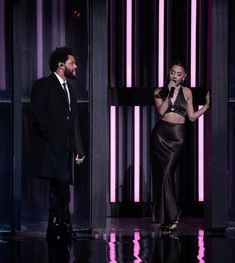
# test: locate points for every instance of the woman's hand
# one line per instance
(79, 159)
(171, 84)
(208, 99)
(194, 115)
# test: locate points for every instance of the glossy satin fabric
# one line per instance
(167, 142)
(180, 105)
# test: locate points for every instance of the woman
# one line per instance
(174, 103)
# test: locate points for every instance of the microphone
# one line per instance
(171, 93)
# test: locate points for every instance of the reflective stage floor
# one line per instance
(124, 240)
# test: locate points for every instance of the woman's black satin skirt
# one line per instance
(167, 142)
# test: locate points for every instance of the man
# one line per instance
(56, 138)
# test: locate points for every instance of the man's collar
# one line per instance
(60, 79)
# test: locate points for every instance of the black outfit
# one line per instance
(167, 141)
(56, 140)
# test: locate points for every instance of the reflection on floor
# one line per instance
(124, 240)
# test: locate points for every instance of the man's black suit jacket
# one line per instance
(56, 136)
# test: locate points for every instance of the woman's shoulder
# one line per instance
(187, 93)
(156, 91)
(186, 90)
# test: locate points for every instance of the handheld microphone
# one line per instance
(171, 93)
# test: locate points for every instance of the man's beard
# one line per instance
(69, 74)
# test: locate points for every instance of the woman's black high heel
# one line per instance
(168, 228)
(174, 225)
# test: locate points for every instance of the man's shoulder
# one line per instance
(45, 79)
(41, 85)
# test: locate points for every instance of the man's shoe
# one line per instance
(68, 232)
(54, 229)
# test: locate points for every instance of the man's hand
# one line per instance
(79, 158)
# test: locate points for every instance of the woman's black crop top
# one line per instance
(180, 104)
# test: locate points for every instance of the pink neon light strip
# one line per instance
(161, 44)
(136, 108)
(137, 247)
(201, 247)
(193, 42)
(201, 158)
(193, 84)
(129, 43)
(112, 252)
(113, 154)
(39, 39)
(137, 153)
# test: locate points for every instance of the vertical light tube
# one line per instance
(113, 108)
(136, 154)
(161, 18)
(193, 42)
(71, 203)
(161, 44)
(121, 149)
(112, 252)
(201, 158)
(39, 38)
(55, 27)
(128, 43)
(58, 23)
(201, 247)
(137, 258)
(113, 154)
(62, 23)
(193, 84)
(136, 108)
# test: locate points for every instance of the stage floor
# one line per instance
(124, 240)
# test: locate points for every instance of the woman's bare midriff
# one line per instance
(173, 118)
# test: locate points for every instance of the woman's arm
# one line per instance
(161, 105)
(194, 115)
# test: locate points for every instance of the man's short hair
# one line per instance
(60, 54)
